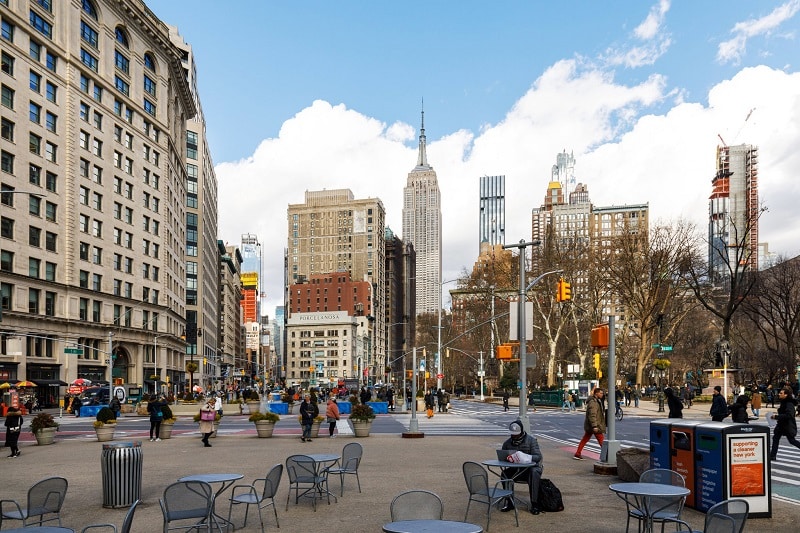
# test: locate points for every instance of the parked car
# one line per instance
(94, 395)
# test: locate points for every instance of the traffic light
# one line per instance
(563, 291)
(597, 365)
(503, 352)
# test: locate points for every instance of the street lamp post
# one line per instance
(156, 373)
(481, 373)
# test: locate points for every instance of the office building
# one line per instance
(334, 232)
(93, 210)
(492, 211)
(231, 337)
(733, 212)
(400, 302)
(422, 228)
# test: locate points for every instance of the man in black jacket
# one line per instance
(521, 441)
(719, 407)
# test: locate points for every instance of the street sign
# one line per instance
(666, 348)
(655, 346)
(74, 351)
(439, 376)
(481, 373)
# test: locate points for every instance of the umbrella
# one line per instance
(25, 384)
(82, 382)
(5, 385)
(198, 388)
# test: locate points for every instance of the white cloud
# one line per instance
(656, 41)
(731, 51)
(624, 155)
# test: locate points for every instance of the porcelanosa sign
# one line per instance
(319, 318)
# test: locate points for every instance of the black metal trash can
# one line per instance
(121, 465)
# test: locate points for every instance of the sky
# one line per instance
(311, 95)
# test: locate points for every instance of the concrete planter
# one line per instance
(315, 429)
(166, 430)
(105, 433)
(264, 428)
(45, 436)
(361, 428)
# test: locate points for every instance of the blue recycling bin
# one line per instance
(732, 462)
(659, 443)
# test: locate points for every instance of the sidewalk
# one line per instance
(390, 465)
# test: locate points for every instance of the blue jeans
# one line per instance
(306, 431)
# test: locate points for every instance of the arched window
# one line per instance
(122, 37)
(149, 62)
(89, 9)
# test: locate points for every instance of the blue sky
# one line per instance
(310, 95)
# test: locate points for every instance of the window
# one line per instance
(35, 112)
(88, 59)
(83, 251)
(8, 31)
(128, 270)
(122, 37)
(83, 165)
(149, 85)
(41, 25)
(97, 175)
(45, 4)
(83, 223)
(121, 85)
(7, 162)
(6, 290)
(50, 91)
(35, 206)
(129, 165)
(6, 261)
(35, 175)
(83, 279)
(98, 93)
(34, 143)
(98, 120)
(7, 98)
(128, 215)
(6, 228)
(34, 265)
(129, 115)
(35, 82)
(97, 147)
(50, 240)
(149, 107)
(33, 300)
(85, 84)
(50, 181)
(50, 151)
(50, 303)
(97, 201)
(50, 211)
(83, 142)
(7, 130)
(118, 108)
(51, 61)
(49, 271)
(97, 228)
(34, 236)
(50, 121)
(89, 9)
(89, 35)
(97, 255)
(96, 306)
(83, 112)
(97, 282)
(8, 68)
(128, 190)
(191, 144)
(121, 62)
(83, 309)
(149, 63)
(117, 266)
(35, 50)
(128, 141)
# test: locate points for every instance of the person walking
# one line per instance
(595, 421)
(156, 416)
(390, 399)
(674, 403)
(440, 400)
(13, 428)
(637, 395)
(755, 402)
(738, 410)
(306, 418)
(770, 396)
(207, 426)
(505, 400)
(525, 443)
(719, 407)
(332, 413)
(786, 425)
(429, 404)
(115, 406)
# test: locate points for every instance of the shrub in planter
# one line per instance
(104, 416)
(167, 414)
(258, 416)
(362, 413)
(41, 421)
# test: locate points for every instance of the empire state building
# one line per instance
(422, 227)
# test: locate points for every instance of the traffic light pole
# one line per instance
(608, 452)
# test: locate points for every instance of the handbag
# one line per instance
(207, 416)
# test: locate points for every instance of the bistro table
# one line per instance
(496, 467)
(432, 526)
(643, 493)
(40, 529)
(225, 481)
(322, 461)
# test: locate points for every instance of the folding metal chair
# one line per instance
(348, 464)
(477, 479)
(126, 523)
(251, 495)
(661, 509)
(304, 475)
(188, 501)
(44, 498)
(416, 505)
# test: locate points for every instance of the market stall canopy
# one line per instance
(25, 384)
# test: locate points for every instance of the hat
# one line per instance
(515, 427)
(718, 388)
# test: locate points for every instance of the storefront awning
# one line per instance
(50, 382)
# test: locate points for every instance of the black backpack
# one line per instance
(550, 499)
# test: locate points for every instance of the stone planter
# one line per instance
(264, 428)
(166, 430)
(105, 433)
(361, 428)
(315, 429)
(45, 436)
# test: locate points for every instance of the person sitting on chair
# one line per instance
(521, 441)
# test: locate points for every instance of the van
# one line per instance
(91, 394)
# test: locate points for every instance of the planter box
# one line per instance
(264, 428)
(345, 408)
(379, 408)
(279, 408)
(360, 428)
(166, 430)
